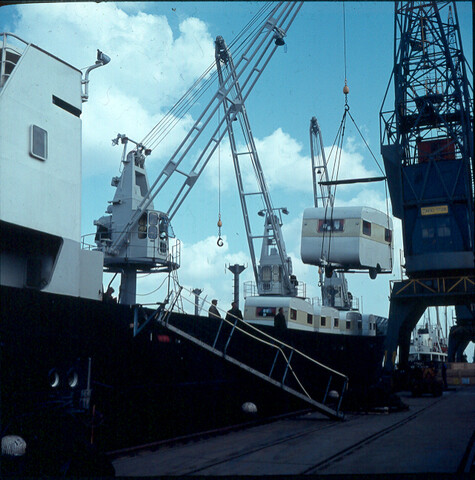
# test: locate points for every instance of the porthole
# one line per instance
(73, 378)
(53, 378)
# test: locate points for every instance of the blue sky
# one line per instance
(159, 48)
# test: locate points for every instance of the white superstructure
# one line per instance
(300, 314)
(40, 174)
(427, 345)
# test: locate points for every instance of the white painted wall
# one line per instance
(42, 195)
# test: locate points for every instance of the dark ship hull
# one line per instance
(145, 388)
(359, 357)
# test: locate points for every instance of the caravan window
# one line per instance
(366, 228)
(331, 225)
(265, 311)
(388, 235)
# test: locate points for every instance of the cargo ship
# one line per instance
(82, 373)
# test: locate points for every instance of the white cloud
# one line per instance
(150, 68)
(280, 154)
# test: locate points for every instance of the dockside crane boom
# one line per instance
(234, 110)
(319, 163)
(133, 236)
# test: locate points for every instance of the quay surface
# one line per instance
(435, 435)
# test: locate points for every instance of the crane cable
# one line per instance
(219, 242)
(339, 145)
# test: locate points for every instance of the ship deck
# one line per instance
(435, 435)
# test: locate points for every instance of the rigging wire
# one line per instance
(199, 87)
(338, 142)
(338, 145)
(153, 291)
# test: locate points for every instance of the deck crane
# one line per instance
(427, 147)
(133, 235)
(274, 274)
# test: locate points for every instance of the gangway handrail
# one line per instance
(273, 343)
(280, 341)
(320, 406)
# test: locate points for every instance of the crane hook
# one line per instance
(220, 242)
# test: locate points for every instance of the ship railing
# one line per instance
(269, 358)
(354, 304)
(250, 289)
(85, 245)
(12, 48)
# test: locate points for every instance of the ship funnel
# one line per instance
(102, 59)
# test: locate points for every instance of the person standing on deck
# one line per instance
(280, 324)
(233, 313)
(213, 310)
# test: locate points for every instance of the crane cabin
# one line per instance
(347, 238)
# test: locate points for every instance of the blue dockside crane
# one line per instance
(427, 147)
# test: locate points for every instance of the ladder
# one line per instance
(259, 354)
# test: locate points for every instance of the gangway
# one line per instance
(256, 353)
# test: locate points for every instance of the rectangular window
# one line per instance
(335, 322)
(388, 235)
(329, 225)
(293, 314)
(366, 228)
(266, 273)
(66, 106)
(265, 311)
(323, 321)
(142, 227)
(348, 325)
(443, 230)
(38, 142)
(428, 233)
(141, 182)
(309, 318)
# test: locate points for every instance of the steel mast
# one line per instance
(274, 274)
